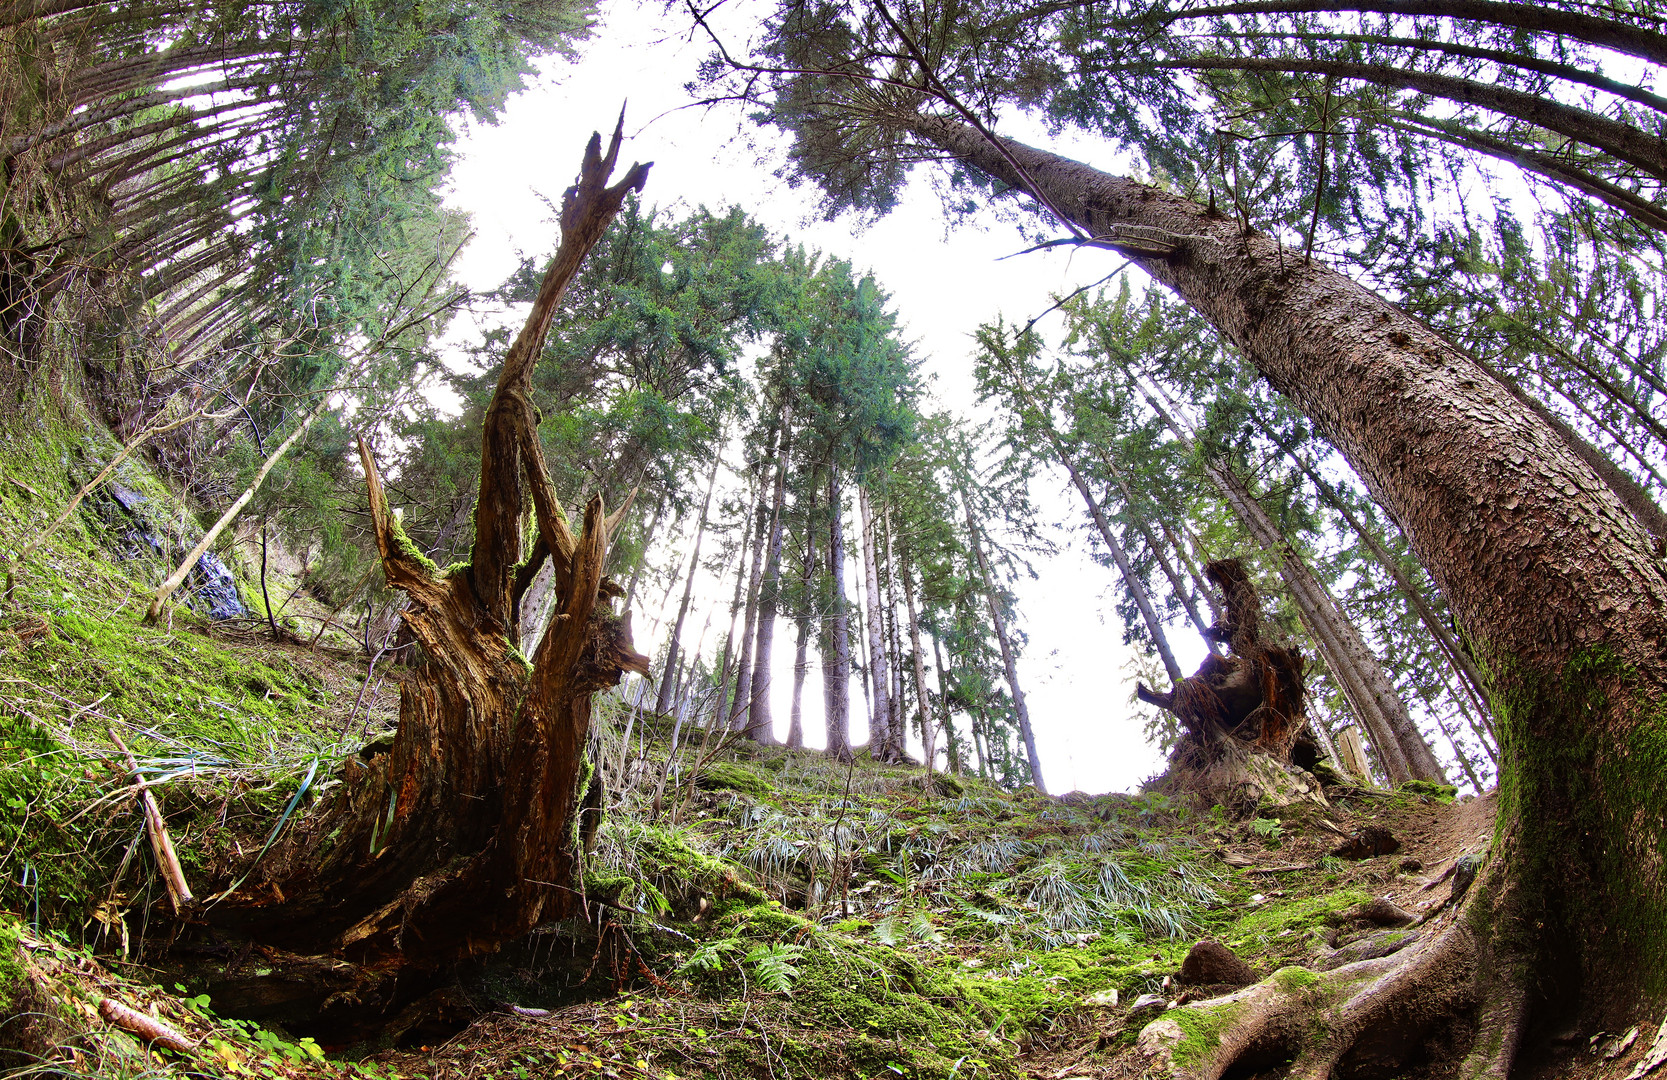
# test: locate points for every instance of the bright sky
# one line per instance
(943, 284)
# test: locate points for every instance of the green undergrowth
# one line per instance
(846, 920)
(224, 727)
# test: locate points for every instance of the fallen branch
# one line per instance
(148, 1028)
(179, 893)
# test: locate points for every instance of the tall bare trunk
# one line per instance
(1009, 661)
(761, 726)
(836, 652)
(928, 729)
(663, 702)
(883, 740)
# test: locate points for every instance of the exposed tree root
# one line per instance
(1441, 999)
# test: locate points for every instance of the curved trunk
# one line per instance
(1552, 577)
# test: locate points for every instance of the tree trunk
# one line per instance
(884, 739)
(724, 709)
(928, 736)
(1553, 578)
(1009, 662)
(642, 557)
(836, 652)
(1450, 648)
(1365, 685)
(951, 742)
(740, 718)
(461, 836)
(760, 724)
(663, 702)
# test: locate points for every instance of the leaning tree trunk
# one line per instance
(1553, 578)
(1371, 694)
(461, 837)
(1009, 662)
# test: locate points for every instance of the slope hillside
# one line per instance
(748, 910)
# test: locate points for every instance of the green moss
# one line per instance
(1429, 789)
(1582, 754)
(723, 776)
(1260, 924)
(405, 546)
(1201, 1027)
(11, 968)
(1293, 979)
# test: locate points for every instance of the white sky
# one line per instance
(943, 285)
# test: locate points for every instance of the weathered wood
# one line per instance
(162, 845)
(461, 836)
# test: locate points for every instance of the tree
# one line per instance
(461, 836)
(1549, 573)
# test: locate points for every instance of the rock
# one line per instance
(1210, 963)
(1411, 865)
(1158, 1041)
(1147, 1003)
(1104, 999)
(1370, 947)
(1379, 912)
(1368, 843)
(217, 589)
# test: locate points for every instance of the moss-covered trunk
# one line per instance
(1554, 579)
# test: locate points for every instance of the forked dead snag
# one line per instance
(461, 836)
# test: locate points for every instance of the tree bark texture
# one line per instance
(1555, 582)
(663, 702)
(760, 724)
(1009, 661)
(462, 835)
(885, 738)
(836, 651)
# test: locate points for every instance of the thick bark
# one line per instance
(886, 735)
(1554, 580)
(928, 729)
(741, 718)
(1450, 648)
(836, 640)
(663, 702)
(461, 836)
(1009, 661)
(760, 724)
(948, 720)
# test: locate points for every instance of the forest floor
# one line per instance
(751, 912)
